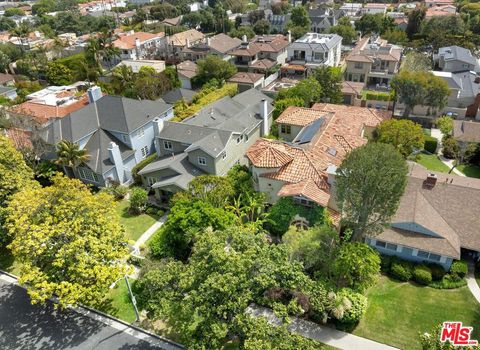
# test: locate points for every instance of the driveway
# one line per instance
(41, 327)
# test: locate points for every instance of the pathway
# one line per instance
(448, 162)
(325, 335)
(472, 282)
(150, 231)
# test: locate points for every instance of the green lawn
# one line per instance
(397, 312)
(8, 263)
(135, 225)
(431, 162)
(117, 302)
(470, 170)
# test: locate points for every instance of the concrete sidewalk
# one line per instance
(151, 230)
(472, 282)
(325, 335)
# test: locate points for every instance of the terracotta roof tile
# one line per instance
(300, 116)
(128, 41)
(308, 189)
(269, 154)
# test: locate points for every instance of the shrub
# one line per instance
(137, 178)
(422, 275)
(138, 200)
(449, 281)
(401, 271)
(358, 308)
(437, 271)
(450, 148)
(119, 192)
(160, 213)
(135, 260)
(459, 268)
(386, 262)
(431, 144)
(151, 211)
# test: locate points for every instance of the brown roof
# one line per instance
(224, 43)
(180, 39)
(263, 64)
(466, 131)
(299, 116)
(42, 112)
(5, 78)
(303, 168)
(437, 11)
(187, 68)
(351, 87)
(449, 211)
(128, 41)
(172, 21)
(246, 78)
(289, 66)
(19, 137)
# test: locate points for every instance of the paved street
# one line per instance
(27, 327)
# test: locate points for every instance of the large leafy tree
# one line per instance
(15, 175)
(308, 90)
(330, 79)
(345, 30)
(356, 266)
(70, 155)
(370, 182)
(213, 67)
(403, 134)
(58, 74)
(226, 272)
(415, 19)
(299, 22)
(68, 241)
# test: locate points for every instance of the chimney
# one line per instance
(244, 38)
(116, 159)
(157, 129)
(289, 36)
(94, 94)
(331, 172)
(264, 114)
(187, 42)
(431, 180)
(137, 48)
(209, 41)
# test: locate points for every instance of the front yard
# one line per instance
(117, 302)
(431, 162)
(397, 312)
(470, 170)
(135, 225)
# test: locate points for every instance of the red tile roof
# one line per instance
(128, 41)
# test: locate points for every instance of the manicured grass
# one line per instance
(427, 132)
(117, 302)
(8, 263)
(470, 170)
(431, 162)
(397, 312)
(135, 225)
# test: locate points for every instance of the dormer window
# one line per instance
(167, 145)
(202, 160)
(239, 139)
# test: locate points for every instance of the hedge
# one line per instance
(204, 98)
(459, 268)
(137, 178)
(431, 144)
(377, 96)
(422, 275)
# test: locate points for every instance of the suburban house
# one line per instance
(455, 59)
(464, 98)
(315, 141)
(278, 23)
(466, 131)
(178, 94)
(186, 71)
(441, 11)
(374, 8)
(219, 45)
(315, 50)
(261, 53)
(209, 142)
(52, 103)
(322, 19)
(157, 65)
(117, 132)
(174, 44)
(139, 45)
(247, 80)
(437, 219)
(9, 92)
(433, 3)
(352, 92)
(373, 61)
(351, 9)
(7, 79)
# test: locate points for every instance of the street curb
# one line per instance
(100, 313)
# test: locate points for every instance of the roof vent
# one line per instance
(431, 180)
(332, 151)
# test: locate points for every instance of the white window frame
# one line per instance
(202, 160)
(151, 181)
(141, 132)
(285, 129)
(144, 151)
(167, 145)
(358, 65)
(224, 155)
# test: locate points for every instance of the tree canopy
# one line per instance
(68, 241)
(403, 134)
(370, 182)
(309, 90)
(213, 67)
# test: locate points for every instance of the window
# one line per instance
(202, 160)
(434, 257)
(167, 145)
(125, 138)
(358, 65)
(318, 56)
(144, 152)
(246, 137)
(89, 175)
(151, 181)
(286, 129)
(422, 254)
(407, 251)
(380, 244)
(391, 246)
(239, 139)
(224, 155)
(141, 132)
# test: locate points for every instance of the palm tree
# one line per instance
(122, 79)
(70, 156)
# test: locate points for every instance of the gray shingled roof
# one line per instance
(178, 94)
(457, 53)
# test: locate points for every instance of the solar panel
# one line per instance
(308, 132)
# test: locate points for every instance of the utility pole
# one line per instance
(132, 298)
